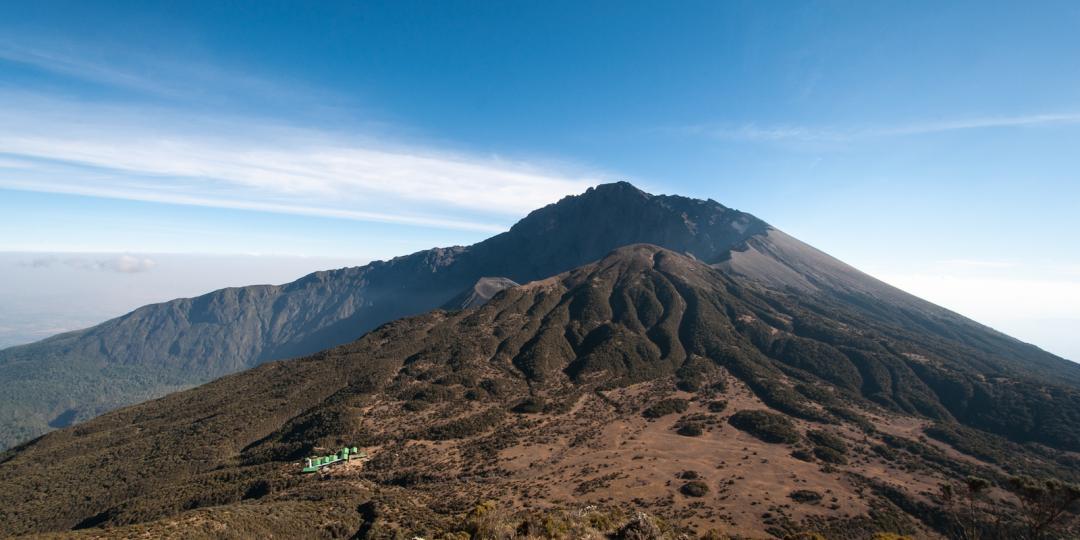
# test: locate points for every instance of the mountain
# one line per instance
(159, 348)
(164, 347)
(644, 395)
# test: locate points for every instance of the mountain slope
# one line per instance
(608, 386)
(484, 289)
(163, 347)
(780, 261)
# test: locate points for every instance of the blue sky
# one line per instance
(931, 145)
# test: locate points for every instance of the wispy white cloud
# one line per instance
(9, 162)
(155, 154)
(978, 123)
(157, 76)
(163, 194)
(753, 132)
(82, 67)
(166, 150)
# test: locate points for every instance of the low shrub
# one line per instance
(805, 496)
(496, 387)
(692, 374)
(849, 415)
(641, 527)
(690, 429)
(464, 427)
(688, 385)
(886, 452)
(828, 447)
(827, 439)
(769, 427)
(694, 488)
(529, 405)
(829, 455)
(666, 407)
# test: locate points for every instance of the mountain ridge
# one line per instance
(170, 345)
(164, 347)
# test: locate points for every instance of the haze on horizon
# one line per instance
(139, 146)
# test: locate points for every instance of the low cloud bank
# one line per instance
(124, 264)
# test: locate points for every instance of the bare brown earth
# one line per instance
(623, 458)
(600, 452)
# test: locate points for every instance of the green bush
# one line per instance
(694, 488)
(688, 385)
(769, 427)
(829, 455)
(464, 427)
(849, 415)
(692, 375)
(828, 447)
(805, 496)
(827, 439)
(690, 429)
(666, 407)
